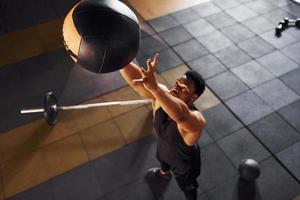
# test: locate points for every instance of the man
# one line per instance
(177, 122)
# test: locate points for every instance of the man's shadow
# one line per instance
(157, 185)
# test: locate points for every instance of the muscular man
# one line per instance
(177, 122)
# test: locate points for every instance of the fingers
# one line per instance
(149, 65)
(155, 59)
(143, 71)
(152, 65)
(138, 81)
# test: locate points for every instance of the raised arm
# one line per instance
(191, 123)
(132, 72)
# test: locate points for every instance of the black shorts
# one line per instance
(186, 172)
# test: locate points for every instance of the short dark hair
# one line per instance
(198, 81)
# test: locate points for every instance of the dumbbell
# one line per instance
(296, 22)
(278, 30)
(286, 22)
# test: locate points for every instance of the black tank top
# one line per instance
(171, 147)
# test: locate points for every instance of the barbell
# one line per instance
(51, 107)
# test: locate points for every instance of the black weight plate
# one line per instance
(51, 108)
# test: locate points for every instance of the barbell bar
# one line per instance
(51, 107)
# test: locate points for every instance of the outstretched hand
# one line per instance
(148, 76)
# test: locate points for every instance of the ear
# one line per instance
(194, 97)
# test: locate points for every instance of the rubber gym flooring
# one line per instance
(251, 103)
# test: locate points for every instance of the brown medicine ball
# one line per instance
(101, 35)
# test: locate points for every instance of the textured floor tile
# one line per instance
(224, 191)
(74, 91)
(275, 132)
(242, 145)
(249, 107)
(157, 8)
(61, 8)
(226, 85)
(205, 140)
(28, 11)
(212, 174)
(245, 1)
(190, 50)
(42, 191)
(275, 183)
(292, 114)
(3, 28)
(292, 52)
(292, 9)
(241, 13)
(206, 9)
(220, 20)
(133, 129)
(232, 56)
(151, 45)
(136, 190)
(168, 60)
(206, 100)
(258, 24)
(80, 183)
(126, 164)
(237, 32)
(207, 66)
(64, 155)
(279, 43)
(23, 49)
(199, 27)
(185, 15)
(49, 34)
(261, 6)
(108, 82)
(226, 4)
(101, 139)
(172, 75)
(175, 35)
(272, 93)
(273, 62)
(71, 77)
(146, 29)
(6, 56)
(87, 118)
(23, 173)
(36, 66)
(256, 47)
(220, 122)
(215, 41)
(36, 84)
(21, 141)
(277, 15)
(123, 94)
(166, 190)
(292, 80)
(252, 74)
(66, 127)
(293, 32)
(163, 23)
(291, 159)
(279, 2)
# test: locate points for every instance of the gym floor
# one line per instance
(251, 103)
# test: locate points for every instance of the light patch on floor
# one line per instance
(150, 9)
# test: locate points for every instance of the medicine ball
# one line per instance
(249, 169)
(101, 35)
